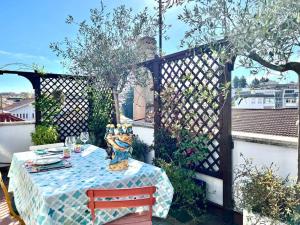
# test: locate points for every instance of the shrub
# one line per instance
(139, 149)
(263, 192)
(188, 195)
(178, 156)
(44, 135)
(165, 145)
(101, 107)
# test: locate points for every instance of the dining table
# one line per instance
(58, 196)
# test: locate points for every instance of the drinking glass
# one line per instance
(70, 142)
(84, 137)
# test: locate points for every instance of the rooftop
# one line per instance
(19, 104)
(7, 117)
(280, 122)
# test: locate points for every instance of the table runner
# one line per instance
(59, 196)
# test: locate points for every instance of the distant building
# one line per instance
(23, 109)
(267, 96)
(290, 98)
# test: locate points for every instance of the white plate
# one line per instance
(59, 149)
(46, 161)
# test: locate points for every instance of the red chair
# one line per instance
(144, 218)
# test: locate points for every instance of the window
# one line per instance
(17, 115)
(32, 115)
(26, 115)
(290, 100)
(23, 115)
(252, 100)
(289, 91)
(269, 100)
(260, 101)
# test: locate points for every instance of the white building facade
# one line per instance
(265, 98)
(24, 111)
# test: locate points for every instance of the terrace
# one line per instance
(198, 156)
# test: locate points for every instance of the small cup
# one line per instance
(66, 153)
(77, 148)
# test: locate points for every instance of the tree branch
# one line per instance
(295, 66)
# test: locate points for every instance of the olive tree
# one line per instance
(262, 34)
(107, 47)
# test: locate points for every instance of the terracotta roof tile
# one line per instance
(7, 117)
(280, 122)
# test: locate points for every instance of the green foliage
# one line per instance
(262, 33)
(128, 105)
(139, 149)
(49, 105)
(107, 46)
(188, 196)
(165, 145)
(100, 116)
(192, 149)
(44, 135)
(239, 82)
(236, 82)
(255, 82)
(263, 192)
(178, 156)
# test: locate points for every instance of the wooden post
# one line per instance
(156, 71)
(37, 89)
(226, 147)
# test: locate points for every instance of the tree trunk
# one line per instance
(298, 180)
(117, 106)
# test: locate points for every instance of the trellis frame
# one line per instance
(156, 66)
(43, 83)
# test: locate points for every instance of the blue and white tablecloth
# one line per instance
(59, 196)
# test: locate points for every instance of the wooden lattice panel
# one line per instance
(73, 116)
(185, 80)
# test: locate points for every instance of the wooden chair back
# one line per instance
(119, 193)
(12, 213)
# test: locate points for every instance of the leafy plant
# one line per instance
(107, 47)
(101, 105)
(44, 135)
(188, 195)
(178, 156)
(263, 192)
(192, 149)
(165, 145)
(139, 149)
(50, 106)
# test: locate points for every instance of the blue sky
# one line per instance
(28, 27)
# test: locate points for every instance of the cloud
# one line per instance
(23, 56)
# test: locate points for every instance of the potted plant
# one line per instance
(265, 197)
(44, 135)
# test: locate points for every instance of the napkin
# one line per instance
(90, 149)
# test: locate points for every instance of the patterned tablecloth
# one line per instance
(59, 196)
